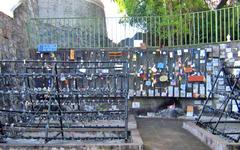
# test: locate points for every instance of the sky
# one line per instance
(111, 10)
(7, 5)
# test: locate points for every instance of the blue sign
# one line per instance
(160, 65)
(46, 48)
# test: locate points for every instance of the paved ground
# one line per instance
(166, 134)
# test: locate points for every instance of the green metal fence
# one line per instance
(156, 31)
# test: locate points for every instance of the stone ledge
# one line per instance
(213, 141)
(135, 144)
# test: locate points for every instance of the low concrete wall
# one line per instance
(74, 147)
(213, 141)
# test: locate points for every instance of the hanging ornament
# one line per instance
(154, 69)
(134, 57)
(228, 38)
(72, 54)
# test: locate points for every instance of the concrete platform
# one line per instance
(135, 143)
(213, 141)
(167, 134)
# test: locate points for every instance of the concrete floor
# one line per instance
(167, 134)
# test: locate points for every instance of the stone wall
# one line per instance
(7, 43)
(70, 8)
(25, 11)
(44, 30)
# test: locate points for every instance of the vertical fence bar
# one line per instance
(125, 33)
(198, 28)
(159, 32)
(185, 29)
(211, 20)
(224, 24)
(56, 31)
(194, 29)
(74, 33)
(172, 27)
(233, 23)
(190, 32)
(98, 33)
(146, 19)
(229, 30)
(116, 30)
(169, 32)
(66, 28)
(50, 32)
(216, 26)
(220, 25)
(202, 36)
(38, 31)
(150, 31)
(90, 28)
(181, 30)
(238, 22)
(94, 32)
(177, 32)
(103, 33)
(155, 32)
(207, 27)
(165, 32)
(112, 31)
(141, 19)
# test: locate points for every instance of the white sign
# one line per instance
(137, 43)
(136, 105)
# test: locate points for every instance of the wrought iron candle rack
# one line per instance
(64, 100)
(223, 120)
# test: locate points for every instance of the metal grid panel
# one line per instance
(49, 100)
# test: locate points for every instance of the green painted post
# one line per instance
(194, 29)
(190, 32)
(198, 30)
(211, 20)
(150, 32)
(181, 38)
(225, 27)
(229, 30)
(216, 26)
(233, 24)
(159, 31)
(169, 33)
(220, 25)
(207, 26)
(155, 32)
(202, 28)
(238, 22)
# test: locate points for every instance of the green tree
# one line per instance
(162, 17)
(160, 7)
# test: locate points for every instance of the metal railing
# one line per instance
(156, 31)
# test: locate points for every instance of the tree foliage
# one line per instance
(170, 11)
(160, 7)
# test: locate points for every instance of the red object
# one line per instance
(143, 76)
(188, 69)
(115, 54)
(196, 79)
